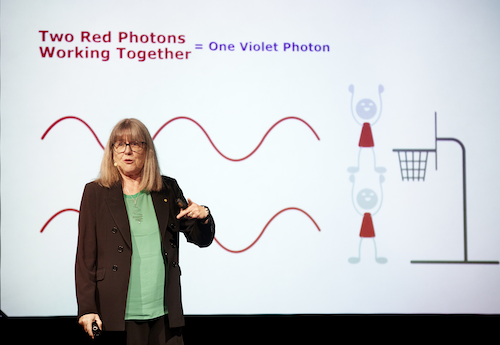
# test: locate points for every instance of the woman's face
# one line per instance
(129, 162)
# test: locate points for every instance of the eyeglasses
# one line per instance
(121, 146)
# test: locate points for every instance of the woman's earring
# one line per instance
(115, 164)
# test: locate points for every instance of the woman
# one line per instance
(127, 262)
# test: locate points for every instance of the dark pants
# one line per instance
(152, 332)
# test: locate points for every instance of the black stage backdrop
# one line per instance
(274, 329)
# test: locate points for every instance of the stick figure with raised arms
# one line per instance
(367, 199)
(367, 116)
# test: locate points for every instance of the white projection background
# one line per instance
(282, 117)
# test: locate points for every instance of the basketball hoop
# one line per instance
(413, 165)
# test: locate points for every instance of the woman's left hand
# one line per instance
(193, 211)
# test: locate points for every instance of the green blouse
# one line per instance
(145, 299)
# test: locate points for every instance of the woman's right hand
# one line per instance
(86, 322)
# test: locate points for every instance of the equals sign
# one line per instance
(198, 46)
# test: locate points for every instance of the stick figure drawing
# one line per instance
(366, 115)
(366, 199)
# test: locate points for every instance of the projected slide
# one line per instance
(347, 149)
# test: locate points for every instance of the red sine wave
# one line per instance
(76, 118)
(265, 227)
(205, 132)
(55, 215)
(223, 247)
(215, 147)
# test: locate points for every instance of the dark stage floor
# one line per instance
(273, 329)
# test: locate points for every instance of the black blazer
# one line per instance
(104, 251)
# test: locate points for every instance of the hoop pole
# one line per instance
(436, 138)
(464, 192)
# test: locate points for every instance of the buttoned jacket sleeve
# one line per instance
(195, 231)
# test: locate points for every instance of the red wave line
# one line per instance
(55, 215)
(223, 247)
(265, 227)
(76, 118)
(251, 153)
(190, 119)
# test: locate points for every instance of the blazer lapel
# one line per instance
(118, 210)
(161, 202)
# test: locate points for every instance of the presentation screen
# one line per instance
(346, 149)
